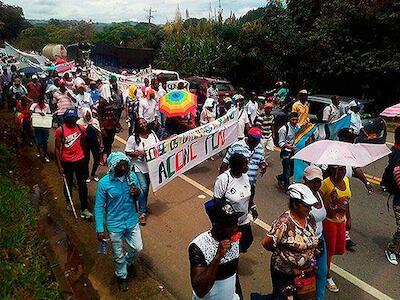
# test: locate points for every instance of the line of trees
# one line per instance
(348, 47)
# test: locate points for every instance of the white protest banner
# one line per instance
(176, 155)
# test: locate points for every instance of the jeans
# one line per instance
(144, 180)
(79, 168)
(321, 273)
(60, 120)
(133, 239)
(287, 172)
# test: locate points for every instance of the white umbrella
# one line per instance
(327, 152)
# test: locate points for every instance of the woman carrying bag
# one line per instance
(292, 241)
(142, 138)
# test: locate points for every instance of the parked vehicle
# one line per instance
(224, 86)
(374, 125)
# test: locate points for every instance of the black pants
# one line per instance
(247, 238)
(108, 140)
(132, 119)
(280, 284)
(118, 113)
(287, 172)
(79, 168)
(94, 148)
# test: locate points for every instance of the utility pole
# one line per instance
(149, 14)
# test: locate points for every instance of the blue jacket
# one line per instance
(114, 198)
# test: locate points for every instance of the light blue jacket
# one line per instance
(114, 199)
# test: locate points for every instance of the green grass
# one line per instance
(25, 272)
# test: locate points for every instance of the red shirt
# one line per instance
(34, 90)
(72, 149)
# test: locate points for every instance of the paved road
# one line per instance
(178, 216)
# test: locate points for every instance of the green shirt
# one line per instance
(265, 122)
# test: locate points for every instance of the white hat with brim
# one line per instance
(302, 193)
(303, 92)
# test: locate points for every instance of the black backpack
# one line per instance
(388, 182)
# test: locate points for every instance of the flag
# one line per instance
(336, 126)
(301, 138)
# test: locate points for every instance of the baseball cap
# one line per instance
(255, 132)
(302, 193)
(222, 212)
(227, 99)
(70, 113)
(313, 172)
(268, 105)
(303, 92)
(355, 103)
(34, 76)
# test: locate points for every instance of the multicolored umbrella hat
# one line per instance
(178, 103)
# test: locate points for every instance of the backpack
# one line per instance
(388, 182)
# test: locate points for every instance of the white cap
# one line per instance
(43, 75)
(74, 69)
(312, 172)
(34, 76)
(303, 92)
(302, 192)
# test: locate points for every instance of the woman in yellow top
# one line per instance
(336, 194)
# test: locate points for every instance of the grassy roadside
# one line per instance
(25, 272)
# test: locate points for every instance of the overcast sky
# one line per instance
(128, 10)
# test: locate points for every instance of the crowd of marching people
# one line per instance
(302, 240)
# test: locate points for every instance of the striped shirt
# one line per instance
(265, 123)
(255, 157)
(63, 102)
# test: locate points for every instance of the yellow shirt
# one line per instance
(302, 110)
(327, 187)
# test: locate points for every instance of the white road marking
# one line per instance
(338, 270)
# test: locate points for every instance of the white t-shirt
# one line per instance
(242, 121)
(83, 101)
(148, 109)
(36, 108)
(319, 215)
(251, 108)
(139, 163)
(235, 190)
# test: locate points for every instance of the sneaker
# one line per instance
(391, 257)
(131, 271)
(122, 284)
(86, 214)
(95, 178)
(68, 207)
(46, 159)
(350, 244)
(142, 219)
(88, 180)
(331, 286)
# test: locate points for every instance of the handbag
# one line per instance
(305, 285)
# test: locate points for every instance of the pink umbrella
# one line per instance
(327, 152)
(392, 111)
